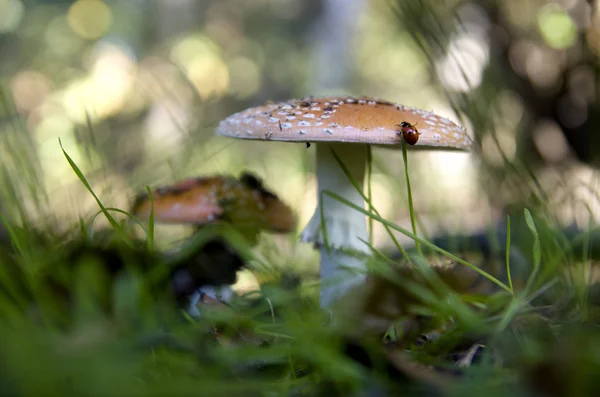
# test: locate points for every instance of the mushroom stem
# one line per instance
(342, 266)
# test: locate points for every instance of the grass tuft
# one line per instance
(72, 325)
(85, 183)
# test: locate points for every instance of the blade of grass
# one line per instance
(369, 189)
(519, 305)
(82, 228)
(583, 293)
(16, 240)
(536, 249)
(118, 210)
(510, 284)
(377, 252)
(13, 198)
(150, 233)
(386, 169)
(411, 208)
(421, 240)
(85, 183)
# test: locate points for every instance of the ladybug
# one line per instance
(409, 132)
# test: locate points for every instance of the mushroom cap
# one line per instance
(243, 202)
(343, 119)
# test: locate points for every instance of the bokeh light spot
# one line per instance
(29, 90)
(543, 66)
(201, 59)
(210, 76)
(462, 69)
(112, 74)
(11, 14)
(550, 141)
(186, 49)
(503, 147)
(556, 27)
(89, 19)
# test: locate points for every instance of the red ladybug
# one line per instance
(409, 132)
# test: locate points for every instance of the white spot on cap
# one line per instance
(333, 125)
(273, 119)
(316, 109)
(288, 118)
(301, 132)
(328, 131)
(309, 116)
(303, 123)
(286, 125)
(436, 136)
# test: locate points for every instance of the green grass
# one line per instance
(124, 336)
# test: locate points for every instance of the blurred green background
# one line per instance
(135, 89)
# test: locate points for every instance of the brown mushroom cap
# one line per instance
(343, 119)
(243, 202)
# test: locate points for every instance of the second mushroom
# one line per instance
(243, 203)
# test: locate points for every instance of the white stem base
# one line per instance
(339, 273)
(222, 293)
(345, 227)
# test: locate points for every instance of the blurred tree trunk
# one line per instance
(333, 37)
(174, 17)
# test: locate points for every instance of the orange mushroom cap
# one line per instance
(344, 119)
(243, 202)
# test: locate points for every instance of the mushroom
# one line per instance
(243, 203)
(346, 126)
